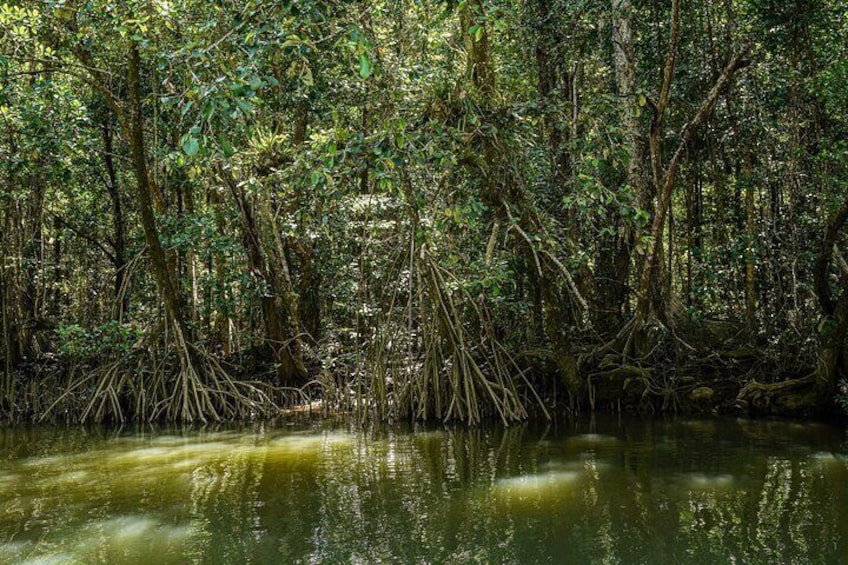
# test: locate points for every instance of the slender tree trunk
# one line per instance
(5, 324)
(310, 277)
(310, 300)
(145, 192)
(291, 352)
(122, 300)
(54, 297)
(664, 177)
(9, 268)
(32, 247)
(557, 89)
(624, 58)
(614, 265)
(217, 266)
(694, 237)
(751, 236)
(556, 92)
(278, 300)
(649, 295)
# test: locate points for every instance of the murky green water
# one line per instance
(603, 491)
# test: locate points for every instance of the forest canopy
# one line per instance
(422, 209)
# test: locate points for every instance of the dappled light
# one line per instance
(394, 281)
(441, 211)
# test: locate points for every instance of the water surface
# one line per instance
(593, 491)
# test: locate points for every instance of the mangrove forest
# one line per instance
(423, 211)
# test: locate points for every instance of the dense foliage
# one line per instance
(421, 209)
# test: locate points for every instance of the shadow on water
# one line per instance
(596, 491)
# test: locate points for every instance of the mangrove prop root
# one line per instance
(797, 392)
(146, 386)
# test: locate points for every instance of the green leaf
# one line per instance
(306, 76)
(190, 146)
(244, 105)
(255, 83)
(364, 65)
(227, 148)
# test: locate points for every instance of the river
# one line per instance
(598, 490)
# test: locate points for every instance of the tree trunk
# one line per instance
(480, 70)
(5, 326)
(556, 88)
(217, 266)
(647, 302)
(134, 124)
(286, 299)
(834, 328)
(8, 280)
(614, 264)
(832, 352)
(32, 246)
(309, 303)
(122, 299)
(751, 236)
(278, 301)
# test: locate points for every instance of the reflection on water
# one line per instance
(605, 491)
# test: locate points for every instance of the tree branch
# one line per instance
(79, 232)
(738, 61)
(671, 56)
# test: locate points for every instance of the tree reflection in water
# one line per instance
(605, 491)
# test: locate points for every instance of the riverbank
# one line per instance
(741, 381)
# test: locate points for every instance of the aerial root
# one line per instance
(452, 367)
(191, 386)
